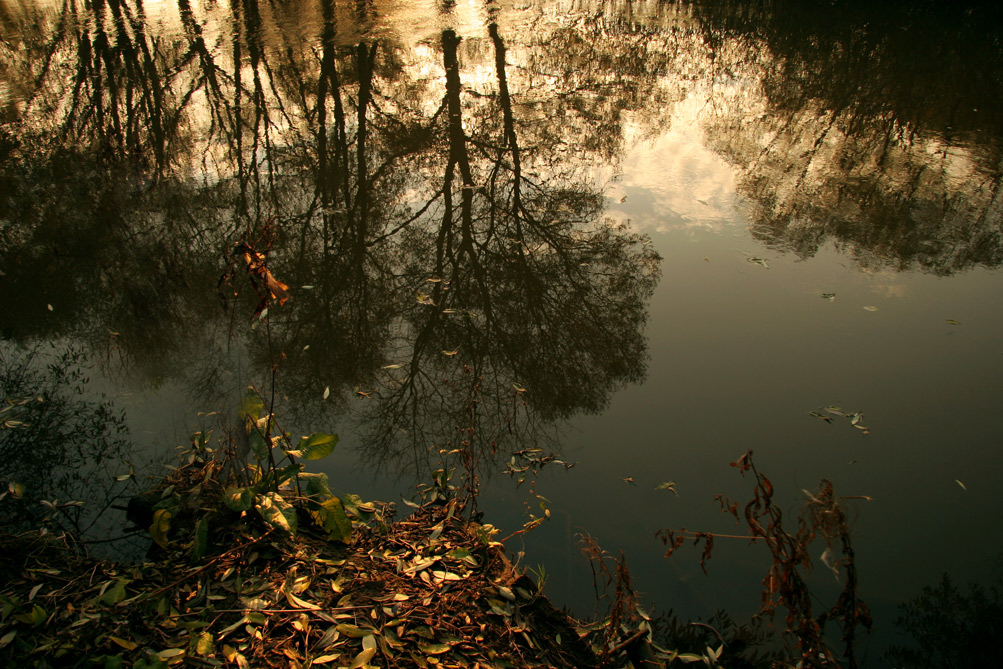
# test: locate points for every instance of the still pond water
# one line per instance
(646, 236)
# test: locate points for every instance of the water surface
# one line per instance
(646, 236)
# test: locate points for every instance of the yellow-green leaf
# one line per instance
(353, 631)
(36, 617)
(362, 658)
(170, 652)
(433, 648)
(160, 527)
(251, 405)
(330, 515)
(300, 603)
(116, 593)
(239, 499)
(124, 643)
(315, 446)
(276, 511)
(205, 644)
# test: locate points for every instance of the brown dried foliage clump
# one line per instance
(823, 516)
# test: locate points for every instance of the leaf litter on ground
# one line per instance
(396, 595)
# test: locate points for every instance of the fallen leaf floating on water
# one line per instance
(518, 388)
(396, 366)
(453, 352)
(668, 485)
(829, 296)
(629, 479)
(870, 308)
(960, 484)
(327, 392)
(49, 307)
(951, 321)
(758, 261)
(856, 418)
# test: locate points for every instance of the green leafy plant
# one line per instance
(278, 486)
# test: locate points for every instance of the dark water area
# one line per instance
(647, 237)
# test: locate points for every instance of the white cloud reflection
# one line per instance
(672, 180)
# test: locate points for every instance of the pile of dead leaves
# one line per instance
(431, 590)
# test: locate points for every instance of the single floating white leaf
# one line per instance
(869, 308)
(960, 484)
(327, 392)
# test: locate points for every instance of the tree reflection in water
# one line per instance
(434, 223)
(60, 451)
(432, 200)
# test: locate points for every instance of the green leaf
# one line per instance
(116, 593)
(362, 659)
(354, 631)
(462, 554)
(252, 404)
(286, 473)
(205, 644)
(124, 643)
(239, 499)
(201, 538)
(170, 652)
(36, 617)
(161, 526)
(315, 485)
(153, 663)
(111, 661)
(315, 446)
(330, 515)
(433, 648)
(276, 511)
(259, 446)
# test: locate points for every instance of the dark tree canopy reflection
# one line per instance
(883, 127)
(57, 445)
(426, 222)
(432, 202)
